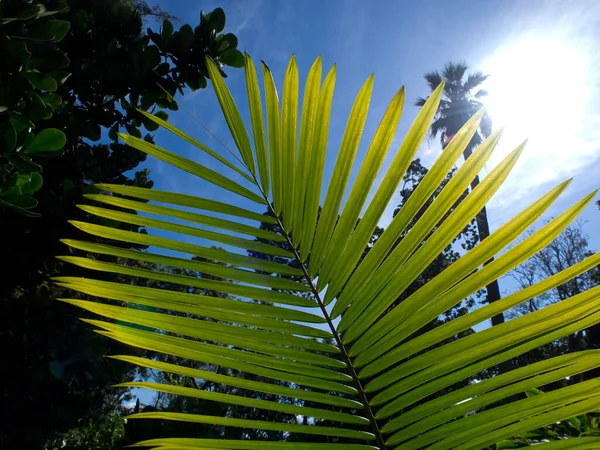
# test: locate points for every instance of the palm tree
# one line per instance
(362, 371)
(461, 101)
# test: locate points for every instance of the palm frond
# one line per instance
(420, 101)
(454, 72)
(379, 377)
(480, 94)
(434, 79)
(474, 80)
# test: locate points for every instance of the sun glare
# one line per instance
(539, 90)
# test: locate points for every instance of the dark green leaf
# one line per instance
(60, 76)
(25, 12)
(53, 100)
(232, 39)
(185, 38)
(59, 29)
(133, 131)
(216, 19)
(150, 126)
(92, 131)
(196, 81)
(34, 184)
(67, 187)
(18, 49)
(20, 123)
(18, 209)
(166, 31)
(5, 171)
(162, 69)
(8, 138)
(150, 58)
(162, 115)
(19, 179)
(9, 187)
(233, 58)
(223, 46)
(23, 163)
(112, 132)
(39, 109)
(48, 140)
(20, 201)
(6, 101)
(48, 61)
(41, 31)
(42, 81)
(57, 7)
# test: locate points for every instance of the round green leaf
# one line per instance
(217, 19)
(42, 81)
(8, 137)
(59, 29)
(112, 132)
(20, 180)
(25, 12)
(92, 131)
(53, 100)
(185, 38)
(232, 39)
(48, 60)
(166, 31)
(47, 140)
(20, 201)
(233, 58)
(150, 126)
(162, 115)
(133, 131)
(60, 76)
(67, 187)
(18, 49)
(34, 184)
(24, 163)
(19, 122)
(39, 109)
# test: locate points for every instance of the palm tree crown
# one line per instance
(461, 100)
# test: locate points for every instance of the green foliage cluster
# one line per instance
(66, 97)
(584, 425)
(33, 68)
(111, 69)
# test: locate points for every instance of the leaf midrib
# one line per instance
(343, 352)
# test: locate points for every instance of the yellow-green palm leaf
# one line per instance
(376, 387)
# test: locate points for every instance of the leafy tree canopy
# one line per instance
(73, 74)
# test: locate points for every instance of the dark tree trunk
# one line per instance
(483, 229)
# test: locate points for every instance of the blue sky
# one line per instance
(540, 56)
(399, 41)
(544, 82)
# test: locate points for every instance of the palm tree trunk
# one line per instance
(483, 230)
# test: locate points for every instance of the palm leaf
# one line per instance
(385, 388)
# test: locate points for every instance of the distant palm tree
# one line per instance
(461, 100)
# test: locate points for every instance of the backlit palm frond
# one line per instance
(348, 348)
(474, 80)
(480, 94)
(454, 72)
(434, 79)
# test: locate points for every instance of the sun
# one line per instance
(538, 88)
